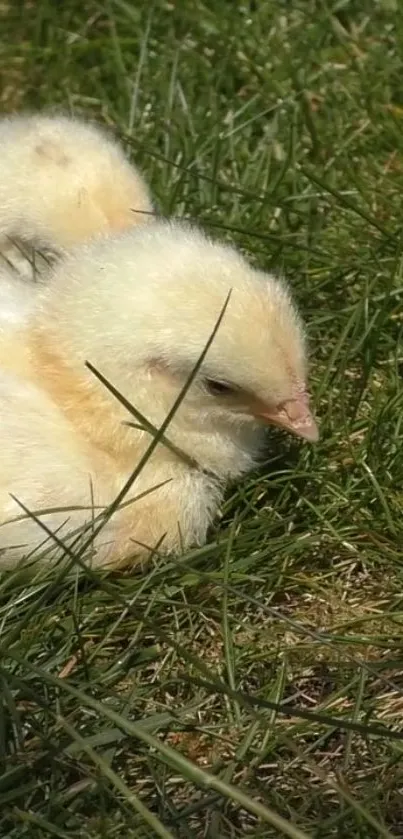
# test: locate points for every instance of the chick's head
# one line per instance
(141, 308)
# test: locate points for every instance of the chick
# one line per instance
(140, 307)
(62, 181)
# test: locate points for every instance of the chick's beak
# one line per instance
(293, 415)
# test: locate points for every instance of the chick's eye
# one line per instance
(217, 388)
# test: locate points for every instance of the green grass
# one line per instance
(253, 687)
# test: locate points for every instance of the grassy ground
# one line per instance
(253, 687)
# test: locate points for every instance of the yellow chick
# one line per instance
(140, 306)
(63, 180)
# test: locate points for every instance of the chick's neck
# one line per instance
(91, 409)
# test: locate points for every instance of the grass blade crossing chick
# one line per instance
(140, 307)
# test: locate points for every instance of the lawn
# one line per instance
(253, 687)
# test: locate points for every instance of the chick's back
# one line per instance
(63, 180)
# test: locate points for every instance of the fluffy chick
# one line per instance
(62, 181)
(140, 307)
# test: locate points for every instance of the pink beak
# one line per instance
(294, 416)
